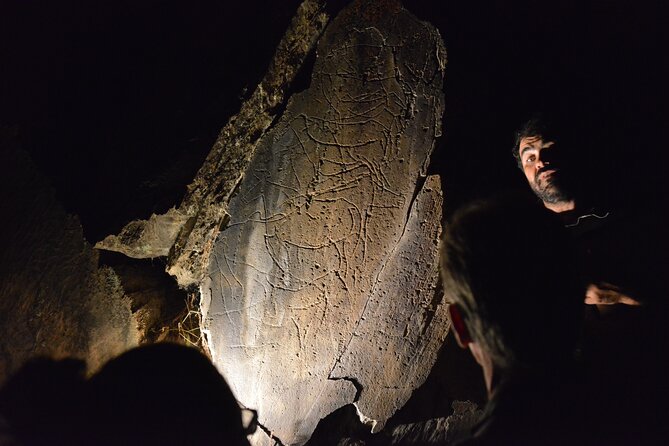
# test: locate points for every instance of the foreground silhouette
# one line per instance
(161, 394)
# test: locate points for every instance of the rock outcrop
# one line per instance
(54, 298)
(185, 235)
(321, 290)
(311, 232)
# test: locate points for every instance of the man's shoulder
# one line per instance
(541, 408)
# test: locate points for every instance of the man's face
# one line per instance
(539, 164)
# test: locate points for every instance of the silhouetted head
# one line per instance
(40, 402)
(507, 266)
(162, 394)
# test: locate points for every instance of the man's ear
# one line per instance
(459, 327)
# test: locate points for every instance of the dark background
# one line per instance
(118, 102)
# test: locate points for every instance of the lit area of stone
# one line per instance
(267, 181)
(321, 290)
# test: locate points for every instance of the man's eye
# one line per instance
(530, 159)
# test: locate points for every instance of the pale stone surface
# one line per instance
(141, 239)
(328, 210)
(405, 319)
(228, 160)
(309, 298)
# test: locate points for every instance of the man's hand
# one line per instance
(607, 294)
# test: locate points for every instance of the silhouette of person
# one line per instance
(40, 403)
(622, 257)
(161, 394)
(614, 248)
(517, 306)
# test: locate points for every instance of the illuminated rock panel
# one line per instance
(310, 269)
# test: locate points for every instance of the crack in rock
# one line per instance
(330, 250)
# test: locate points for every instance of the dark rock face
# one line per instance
(54, 299)
(438, 431)
(186, 235)
(321, 290)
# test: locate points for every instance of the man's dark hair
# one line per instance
(507, 265)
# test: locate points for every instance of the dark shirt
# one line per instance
(534, 409)
(624, 249)
(624, 348)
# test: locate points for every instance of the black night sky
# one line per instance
(118, 102)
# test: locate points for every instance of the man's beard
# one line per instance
(551, 189)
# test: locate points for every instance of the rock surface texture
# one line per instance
(312, 234)
(54, 299)
(186, 235)
(449, 430)
(322, 288)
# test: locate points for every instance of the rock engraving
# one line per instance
(328, 209)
